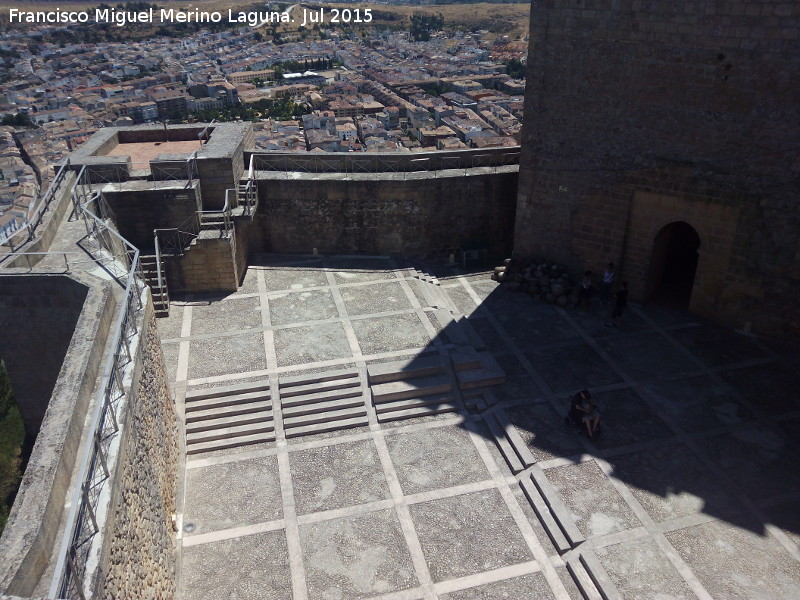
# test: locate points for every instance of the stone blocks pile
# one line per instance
(544, 281)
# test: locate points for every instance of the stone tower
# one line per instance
(664, 136)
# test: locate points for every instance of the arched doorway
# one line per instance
(673, 265)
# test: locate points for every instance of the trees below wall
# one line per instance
(12, 439)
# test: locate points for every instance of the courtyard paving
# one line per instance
(692, 491)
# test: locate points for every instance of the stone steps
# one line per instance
(229, 390)
(489, 373)
(423, 410)
(411, 388)
(326, 427)
(508, 440)
(321, 402)
(419, 366)
(314, 406)
(226, 421)
(230, 433)
(322, 386)
(228, 416)
(225, 444)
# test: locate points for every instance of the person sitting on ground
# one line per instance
(583, 410)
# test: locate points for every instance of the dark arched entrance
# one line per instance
(673, 265)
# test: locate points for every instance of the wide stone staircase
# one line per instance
(322, 402)
(229, 416)
(447, 377)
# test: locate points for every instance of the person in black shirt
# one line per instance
(620, 302)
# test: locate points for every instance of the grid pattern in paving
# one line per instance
(692, 491)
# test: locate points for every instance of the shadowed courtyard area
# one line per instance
(358, 427)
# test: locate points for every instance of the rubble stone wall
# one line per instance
(638, 115)
(139, 558)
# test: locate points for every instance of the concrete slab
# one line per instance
(672, 482)
(737, 562)
(596, 506)
(220, 315)
(292, 279)
(698, 403)
(645, 355)
(435, 458)
(762, 459)
(390, 334)
(298, 307)
(375, 298)
(170, 327)
(640, 570)
(771, 387)
(336, 476)
(225, 355)
(627, 419)
(543, 430)
(527, 586)
(312, 343)
(468, 534)
(252, 495)
(356, 557)
(717, 346)
(569, 368)
(252, 567)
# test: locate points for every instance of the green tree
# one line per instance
(12, 439)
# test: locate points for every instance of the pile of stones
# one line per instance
(544, 281)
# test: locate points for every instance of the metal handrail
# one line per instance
(225, 213)
(69, 573)
(173, 237)
(35, 216)
(158, 264)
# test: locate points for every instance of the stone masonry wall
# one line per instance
(138, 212)
(639, 114)
(387, 214)
(208, 265)
(38, 315)
(139, 550)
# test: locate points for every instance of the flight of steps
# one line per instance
(415, 387)
(423, 385)
(320, 402)
(229, 416)
(214, 225)
(160, 293)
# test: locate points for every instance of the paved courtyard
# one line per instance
(692, 491)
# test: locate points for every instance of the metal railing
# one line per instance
(82, 524)
(175, 240)
(219, 220)
(25, 233)
(248, 195)
(159, 281)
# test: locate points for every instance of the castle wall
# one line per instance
(640, 114)
(207, 266)
(47, 307)
(38, 316)
(137, 211)
(138, 559)
(421, 214)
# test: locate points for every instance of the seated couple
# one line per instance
(582, 410)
